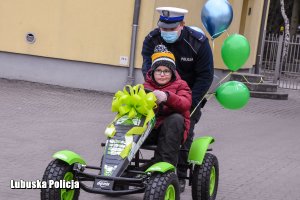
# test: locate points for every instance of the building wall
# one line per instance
(252, 15)
(233, 28)
(96, 31)
(87, 44)
(251, 24)
(74, 74)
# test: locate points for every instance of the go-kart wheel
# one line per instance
(162, 187)
(205, 179)
(58, 170)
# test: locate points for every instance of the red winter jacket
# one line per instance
(179, 100)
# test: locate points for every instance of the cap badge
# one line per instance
(166, 13)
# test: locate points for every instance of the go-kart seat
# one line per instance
(154, 147)
(149, 147)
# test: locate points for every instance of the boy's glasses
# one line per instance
(160, 72)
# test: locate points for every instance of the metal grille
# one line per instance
(290, 67)
(284, 72)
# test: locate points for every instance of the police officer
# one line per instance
(194, 63)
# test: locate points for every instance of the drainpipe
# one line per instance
(261, 36)
(130, 77)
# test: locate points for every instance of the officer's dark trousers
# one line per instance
(183, 155)
(168, 138)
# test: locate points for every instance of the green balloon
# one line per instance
(233, 95)
(235, 51)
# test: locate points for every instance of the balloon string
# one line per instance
(210, 96)
(227, 33)
(260, 81)
(225, 77)
(211, 93)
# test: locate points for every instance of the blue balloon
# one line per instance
(216, 16)
(195, 28)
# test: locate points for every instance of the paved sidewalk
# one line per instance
(257, 147)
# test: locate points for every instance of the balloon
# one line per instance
(216, 16)
(233, 95)
(235, 51)
(195, 28)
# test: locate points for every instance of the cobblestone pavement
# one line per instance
(257, 147)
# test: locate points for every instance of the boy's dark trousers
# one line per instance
(183, 155)
(168, 138)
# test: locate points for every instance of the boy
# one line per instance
(174, 101)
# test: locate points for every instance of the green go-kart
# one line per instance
(121, 173)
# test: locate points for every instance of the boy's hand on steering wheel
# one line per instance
(160, 95)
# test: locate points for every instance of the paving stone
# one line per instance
(257, 146)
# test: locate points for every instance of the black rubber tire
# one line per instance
(201, 178)
(158, 184)
(56, 171)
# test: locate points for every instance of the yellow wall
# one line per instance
(233, 28)
(149, 20)
(251, 24)
(146, 24)
(95, 30)
(99, 31)
(251, 27)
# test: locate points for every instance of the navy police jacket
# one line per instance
(194, 60)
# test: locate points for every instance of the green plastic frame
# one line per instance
(198, 149)
(69, 157)
(161, 167)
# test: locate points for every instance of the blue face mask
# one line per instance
(169, 36)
